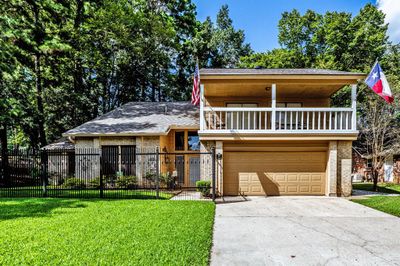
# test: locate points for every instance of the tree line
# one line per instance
(65, 62)
(340, 41)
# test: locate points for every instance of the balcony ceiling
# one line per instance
(292, 88)
(289, 82)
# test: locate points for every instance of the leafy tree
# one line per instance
(66, 62)
(379, 131)
(334, 40)
(227, 44)
(337, 40)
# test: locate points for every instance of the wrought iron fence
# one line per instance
(110, 172)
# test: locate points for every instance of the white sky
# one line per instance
(392, 10)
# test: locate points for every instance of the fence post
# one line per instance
(101, 175)
(43, 166)
(213, 169)
(157, 173)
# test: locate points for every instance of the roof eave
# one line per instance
(211, 76)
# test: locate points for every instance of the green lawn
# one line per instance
(382, 187)
(388, 204)
(105, 232)
(86, 193)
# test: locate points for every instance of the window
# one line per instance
(179, 140)
(193, 141)
(118, 159)
(242, 120)
(128, 166)
(110, 159)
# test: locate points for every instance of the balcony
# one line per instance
(273, 120)
(278, 120)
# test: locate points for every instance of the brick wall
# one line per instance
(205, 159)
(344, 168)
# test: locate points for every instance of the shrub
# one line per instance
(74, 183)
(150, 176)
(167, 180)
(94, 183)
(127, 181)
(204, 187)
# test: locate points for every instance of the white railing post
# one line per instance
(202, 107)
(273, 105)
(354, 107)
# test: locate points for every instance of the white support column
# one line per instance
(354, 107)
(273, 105)
(201, 107)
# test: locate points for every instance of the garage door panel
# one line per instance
(280, 177)
(292, 177)
(292, 189)
(304, 189)
(274, 173)
(317, 189)
(304, 178)
(317, 178)
(244, 177)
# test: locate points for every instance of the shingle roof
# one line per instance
(62, 143)
(273, 71)
(141, 118)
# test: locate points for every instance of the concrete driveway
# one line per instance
(304, 231)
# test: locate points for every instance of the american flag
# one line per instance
(196, 86)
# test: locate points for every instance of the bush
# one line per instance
(204, 187)
(74, 183)
(150, 176)
(167, 180)
(94, 183)
(127, 181)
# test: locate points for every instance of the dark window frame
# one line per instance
(180, 148)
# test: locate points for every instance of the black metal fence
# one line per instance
(109, 172)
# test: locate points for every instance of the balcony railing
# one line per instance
(285, 120)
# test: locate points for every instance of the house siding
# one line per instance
(146, 163)
(87, 166)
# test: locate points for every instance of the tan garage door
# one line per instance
(274, 173)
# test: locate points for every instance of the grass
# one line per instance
(86, 193)
(388, 204)
(105, 232)
(382, 187)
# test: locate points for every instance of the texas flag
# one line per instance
(377, 81)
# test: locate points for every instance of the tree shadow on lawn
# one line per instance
(22, 208)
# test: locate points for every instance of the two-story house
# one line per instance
(274, 131)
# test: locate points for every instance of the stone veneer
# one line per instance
(331, 170)
(344, 168)
(146, 163)
(206, 160)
